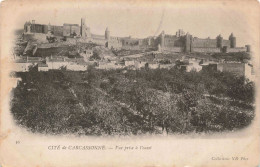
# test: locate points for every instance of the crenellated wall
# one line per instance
(207, 50)
(116, 44)
(70, 29)
(238, 49)
(202, 43)
(226, 42)
(172, 41)
(174, 49)
(57, 30)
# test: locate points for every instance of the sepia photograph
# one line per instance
(114, 78)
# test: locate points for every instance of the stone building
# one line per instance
(239, 69)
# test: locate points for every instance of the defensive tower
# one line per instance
(219, 41)
(162, 39)
(83, 28)
(232, 39)
(107, 34)
(188, 43)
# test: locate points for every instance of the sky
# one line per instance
(140, 21)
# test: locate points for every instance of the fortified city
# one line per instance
(72, 81)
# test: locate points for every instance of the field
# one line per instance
(61, 51)
(126, 102)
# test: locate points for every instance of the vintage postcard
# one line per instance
(129, 83)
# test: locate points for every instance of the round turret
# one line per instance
(188, 43)
(248, 48)
(107, 34)
(232, 40)
(219, 41)
(159, 48)
(83, 28)
(162, 39)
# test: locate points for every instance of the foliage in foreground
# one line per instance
(115, 102)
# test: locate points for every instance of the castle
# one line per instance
(180, 42)
(72, 31)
